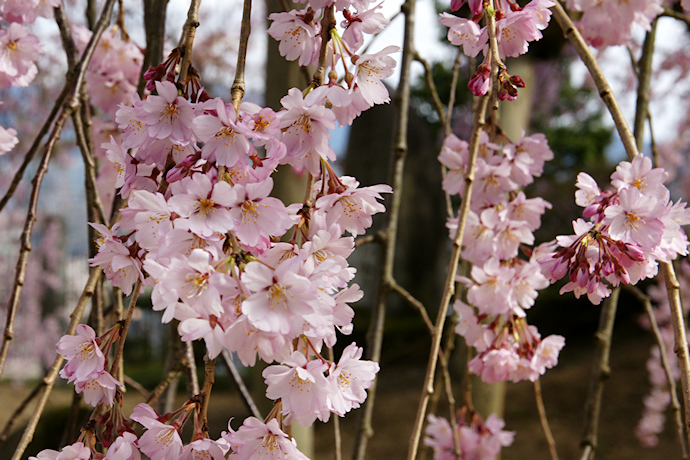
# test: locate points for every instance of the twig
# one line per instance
(241, 387)
(129, 381)
(544, 421)
(69, 104)
(327, 24)
(209, 379)
(338, 452)
(644, 77)
(375, 333)
(600, 373)
(115, 366)
(187, 40)
(449, 285)
(496, 63)
(447, 127)
(410, 299)
(679, 334)
(605, 91)
(675, 15)
(18, 412)
(672, 286)
(238, 87)
(646, 301)
(173, 374)
(49, 380)
(429, 78)
(190, 369)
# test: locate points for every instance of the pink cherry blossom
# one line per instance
(83, 353)
(298, 35)
(256, 440)
(168, 115)
(8, 139)
(352, 376)
(370, 70)
(302, 388)
(98, 389)
(18, 51)
(124, 448)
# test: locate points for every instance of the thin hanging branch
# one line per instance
(429, 79)
(335, 421)
(644, 78)
(115, 366)
(69, 104)
(600, 373)
(375, 333)
(544, 421)
(49, 380)
(675, 403)
(241, 387)
(238, 86)
(630, 144)
(449, 285)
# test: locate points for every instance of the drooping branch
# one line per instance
(399, 153)
(600, 373)
(429, 79)
(630, 144)
(238, 86)
(241, 387)
(644, 78)
(605, 91)
(70, 103)
(115, 366)
(675, 403)
(544, 421)
(49, 380)
(449, 284)
(154, 25)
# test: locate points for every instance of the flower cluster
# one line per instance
(502, 285)
(299, 34)
(478, 439)
(516, 26)
(86, 361)
(630, 229)
(202, 230)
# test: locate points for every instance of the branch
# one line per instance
(644, 77)
(375, 332)
(238, 87)
(154, 24)
(675, 15)
(241, 387)
(449, 285)
(18, 412)
(605, 91)
(129, 381)
(190, 369)
(496, 63)
(428, 77)
(187, 40)
(680, 337)
(646, 301)
(70, 103)
(414, 303)
(544, 421)
(338, 447)
(49, 380)
(115, 366)
(600, 373)
(209, 379)
(174, 373)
